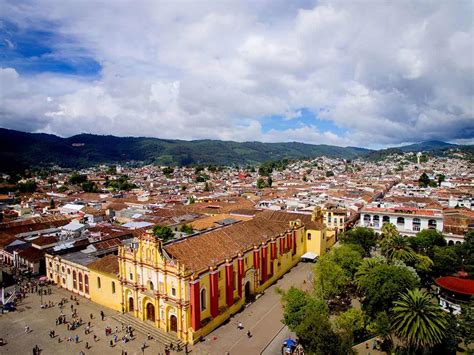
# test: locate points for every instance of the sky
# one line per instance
(350, 73)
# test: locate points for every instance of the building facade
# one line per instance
(408, 221)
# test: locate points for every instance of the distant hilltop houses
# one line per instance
(185, 248)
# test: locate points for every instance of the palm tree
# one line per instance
(366, 266)
(417, 320)
(397, 247)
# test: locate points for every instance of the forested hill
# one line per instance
(20, 150)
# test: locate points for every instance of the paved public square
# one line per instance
(262, 318)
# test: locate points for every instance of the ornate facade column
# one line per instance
(294, 241)
(229, 283)
(256, 264)
(195, 295)
(214, 281)
(264, 263)
(240, 275)
(282, 244)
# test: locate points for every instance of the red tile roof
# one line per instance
(456, 284)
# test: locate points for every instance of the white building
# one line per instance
(408, 221)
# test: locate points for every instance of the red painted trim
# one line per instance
(229, 287)
(214, 281)
(195, 306)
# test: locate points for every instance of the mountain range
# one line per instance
(21, 150)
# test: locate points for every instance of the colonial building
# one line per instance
(408, 221)
(193, 285)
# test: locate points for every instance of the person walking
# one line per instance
(102, 315)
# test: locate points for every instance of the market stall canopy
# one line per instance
(456, 284)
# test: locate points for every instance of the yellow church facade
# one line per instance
(191, 286)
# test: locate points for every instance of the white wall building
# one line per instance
(408, 221)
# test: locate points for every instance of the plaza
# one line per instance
(262, 318)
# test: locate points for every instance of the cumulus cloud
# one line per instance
(384, 72)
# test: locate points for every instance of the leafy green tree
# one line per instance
(28, 186)
(446, 261)
(309, 319)
(77, 179)
(162, 232)
(295, 302)
(381, 285)
(191, 200)
(348, 257)
(260, 183)
(417, 320)
(186, 228)
(330, 279)
(381, 325)
(425, 240)
(349, 322)
(440, 178)
(269, 181)
(466, 323)
(89, 186)
(206, 187)
(362, 236)
(52, 205)
(424, 180)
(167, 170)
(366, 267)
(329, 173)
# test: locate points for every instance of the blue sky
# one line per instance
(32, 51)
(327, 71)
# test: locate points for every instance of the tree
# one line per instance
(310, 322)
(348, 257)
(167, 171)
(381, 325)
(349, 322)
(445, 260)
(186, 228)
(77, 179)
(398, 248)
(366, 267)
(329, 173)
(424, 180)
(381, 285)
(63, 188)
(52, 205)
(28, 186)
(162, 232)
(89, 186)
(418, 321)
(425, 240)
(440, 178)
(269, 181)
(260, 183)
(362, 236)
(206, 187)
(330, 279)
(295, 302)
(466, 323)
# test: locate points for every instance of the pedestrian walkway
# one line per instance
(147, 328)
(262, 318)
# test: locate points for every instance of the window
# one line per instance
(62, 269)
(50, 264)
(74, 280)
(98, 282)
(64, 281)
(385, 219)
(400, 221)
(113, 287)
(86, 284)
(173, 291)
(131, 276)
(416, 224)
(69, 271)
(151, 286)
(80, 282)
(50, 275)
(432, 224)
(203, 299)
(309, 236)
